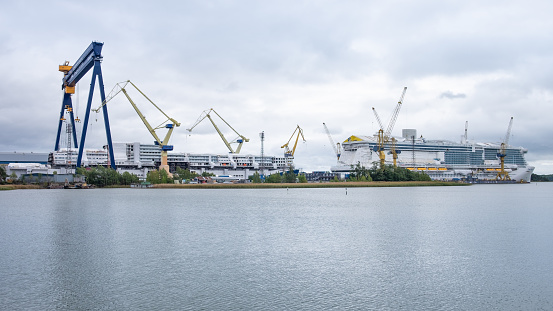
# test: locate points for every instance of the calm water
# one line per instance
(482, 247)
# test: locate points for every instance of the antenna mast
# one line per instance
(262, 164)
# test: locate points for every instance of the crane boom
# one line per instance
(336, 147)
(384, 137)
(378, 119)
(502, 174)
(164, 144)
(287, 151)
(82, 65)
(508, 135)
(220, 133)
(207, 114)
(395, 114)
(120, 87)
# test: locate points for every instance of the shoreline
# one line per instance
(273, 186)
(311, 185)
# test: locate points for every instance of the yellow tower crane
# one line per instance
(393, 150)
(169, 124)
(384, 137)
(502, 174)
(380, 142)
(290, 153)
(239, 140)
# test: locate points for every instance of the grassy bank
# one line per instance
(311, 185)
(275, 186)
(14, 187)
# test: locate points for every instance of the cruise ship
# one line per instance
(440, 159)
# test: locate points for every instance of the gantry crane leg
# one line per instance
(97, 73)
(65, 104)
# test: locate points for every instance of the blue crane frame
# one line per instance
(91, 57)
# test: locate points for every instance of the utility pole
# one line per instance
(262, 164)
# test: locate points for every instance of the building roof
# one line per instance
(23, 157)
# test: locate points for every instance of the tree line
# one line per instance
(105, 176)
(181, 175)
(386, 173)
(536, 177)
(101, 176)
(276, 178)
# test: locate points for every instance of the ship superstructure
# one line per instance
(440, 159)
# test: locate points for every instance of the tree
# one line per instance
(128, 178)
(3, 175)
(302, 179)
(106, 176)
(184, 174)
(164, 177)
(13, 177)
(290, 176)
(153, 177)
(158, 177)
(255, 178)
(274, 178)
(360, 173)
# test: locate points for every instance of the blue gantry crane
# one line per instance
(91, 58)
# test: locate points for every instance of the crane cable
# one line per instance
(77, 106)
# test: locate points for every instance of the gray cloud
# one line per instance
(270, 66)
(451, 95)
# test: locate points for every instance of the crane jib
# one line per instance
(83, 64)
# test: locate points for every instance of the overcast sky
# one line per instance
(272, 65)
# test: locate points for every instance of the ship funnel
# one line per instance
(409, 133)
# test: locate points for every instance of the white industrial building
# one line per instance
(139, 159)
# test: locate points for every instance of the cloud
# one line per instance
(271, 66)
(450, 95)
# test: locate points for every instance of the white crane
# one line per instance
(337, 148)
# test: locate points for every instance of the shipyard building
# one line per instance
(139, 159)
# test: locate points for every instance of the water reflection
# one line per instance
(385, 248)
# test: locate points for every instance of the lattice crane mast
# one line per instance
(380, 143)
(502, 174)
(395, 114)
(239, 140)
(169, 123)
(289, 153)
(337, 148)
(384, 137)
(391, 125)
